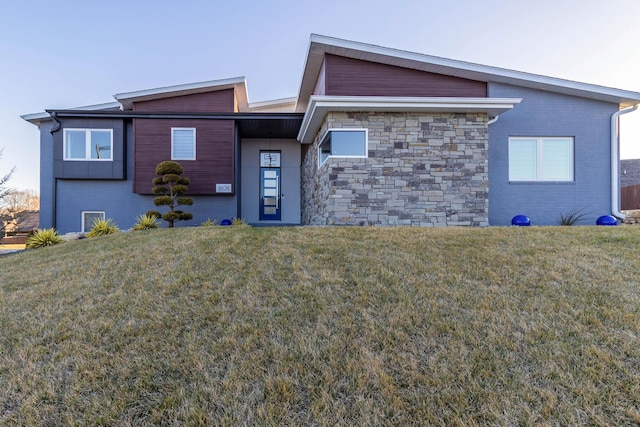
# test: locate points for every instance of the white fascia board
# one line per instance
(128, 98)
(319, 106)
(320, 45)
(36, 118)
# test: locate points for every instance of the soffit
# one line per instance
(270, 128)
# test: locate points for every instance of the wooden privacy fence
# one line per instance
(13, 240)
(630, 197)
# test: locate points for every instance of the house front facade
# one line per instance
(375, 136)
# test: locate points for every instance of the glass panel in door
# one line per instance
(270, 194)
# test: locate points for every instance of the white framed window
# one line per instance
(183, 143)
(541, 159)
(343, 143)
(88, 144)
(88, 217)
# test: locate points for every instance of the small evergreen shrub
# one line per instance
(102, 227)
(209, 223)
(146, 222)
(42, 238)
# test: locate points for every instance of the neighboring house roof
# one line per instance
(320, 45)
(26, 221)
(30, 221)
(629, 172)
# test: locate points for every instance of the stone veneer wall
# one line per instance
(424, 169)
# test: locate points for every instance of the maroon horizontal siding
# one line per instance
(214, 162)
(353, 77)
(221, 101)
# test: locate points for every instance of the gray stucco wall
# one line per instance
(550, 114)
(290, 179)
(114, 197)
(46, 175)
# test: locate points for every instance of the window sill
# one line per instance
(88, 160)
(542, 183)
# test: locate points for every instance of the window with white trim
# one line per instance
(88, 218)
(88, 144)
(541, 159)
(183, 143)
(343, 143)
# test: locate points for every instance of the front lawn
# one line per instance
(324, 326)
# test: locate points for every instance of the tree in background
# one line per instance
(21, 200)
(4, 190)
(17, 209)
(169, 186)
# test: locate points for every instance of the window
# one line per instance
(541, 159)
(88, 217)
(183, 143)
(88, 144)
(343, 143)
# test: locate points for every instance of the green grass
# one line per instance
(324, 326)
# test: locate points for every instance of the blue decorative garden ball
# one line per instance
(225, 222)
(607, 220)
(521, 221)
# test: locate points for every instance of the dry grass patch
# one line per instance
(324, 326)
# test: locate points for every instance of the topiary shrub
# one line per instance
(146, 222)
(45, 237)
(102, 227)
(169, 186)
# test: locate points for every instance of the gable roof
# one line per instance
(320, 45)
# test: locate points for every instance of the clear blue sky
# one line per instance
(72, 53)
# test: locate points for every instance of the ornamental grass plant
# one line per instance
(146, 222)
(102, 227)
(42, 238)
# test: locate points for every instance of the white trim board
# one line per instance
(319, 106)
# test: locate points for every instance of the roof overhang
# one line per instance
(250, 124)
(37, 118)
(238, 83)
(321, 45)
(275, 105)
(319, 106)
